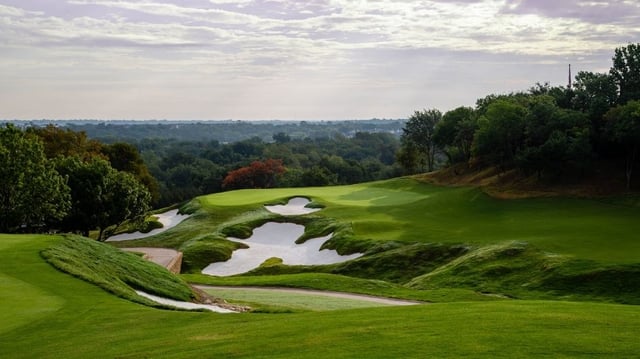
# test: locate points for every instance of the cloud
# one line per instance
(333, 50)
(597, 12)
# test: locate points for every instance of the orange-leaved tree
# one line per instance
(259, 174)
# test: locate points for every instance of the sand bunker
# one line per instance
(183, 305)
(168, 219)
(296, 206)
(277, 240)
(168, 258)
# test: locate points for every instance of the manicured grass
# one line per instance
(20, 301)
(437, 238)
(412, 211)
(340, 283)
(290, 301)
(80, 320)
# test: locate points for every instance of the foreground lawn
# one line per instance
(66, 317)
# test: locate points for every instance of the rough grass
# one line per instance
(115, 271)
(517, 269)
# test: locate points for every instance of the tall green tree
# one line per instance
(556, 140)
(455, 133)
(125, 157)
(594, 93)
(66, 142)
(418, 135)
(626, 72)
(409, 158)
(101, 196)
(501, 132)
(127, 199)
(623, 124)
(32, 193)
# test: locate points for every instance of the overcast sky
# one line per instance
(292, 60)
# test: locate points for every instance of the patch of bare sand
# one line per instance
(168, 219)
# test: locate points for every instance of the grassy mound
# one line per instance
(401, 264)
(199, 253)
(516, 269)
(115, 271)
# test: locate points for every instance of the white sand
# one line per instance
(296, 206)
(277, 240)
(183, 305)
(168, 219)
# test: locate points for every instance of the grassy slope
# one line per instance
(74, 319)
(117, 272)
(577, 248)
(408, 210)
(22, 302)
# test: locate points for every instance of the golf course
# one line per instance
(495, 278)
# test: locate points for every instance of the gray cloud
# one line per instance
(599, 12)
(320, 59)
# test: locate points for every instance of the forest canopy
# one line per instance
(554, 132)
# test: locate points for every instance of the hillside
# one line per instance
(506, 278)
(605, 180)
(421, 236)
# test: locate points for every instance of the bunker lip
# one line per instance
(277, 240)
(295, 206)
(168, 219)
(183, 305)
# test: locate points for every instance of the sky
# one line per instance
(292, 60)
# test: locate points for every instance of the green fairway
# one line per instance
(22, 302)
(288, 301)
(423, 236)
(76, 319)
(408, 210)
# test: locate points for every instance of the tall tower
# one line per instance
(570, 80)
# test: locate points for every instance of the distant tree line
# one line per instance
(220, 131)
(185, 169)
(552, 132)
(54, 178)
